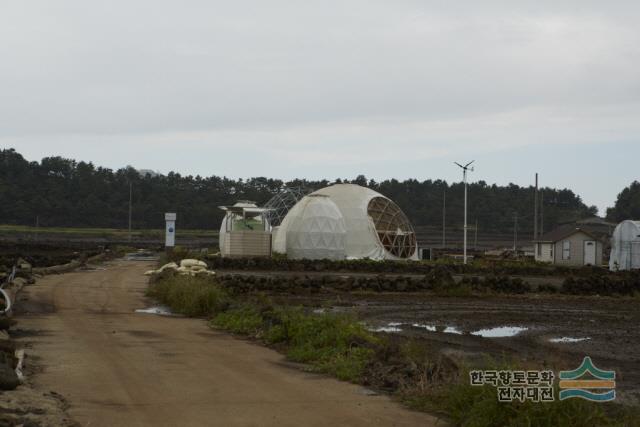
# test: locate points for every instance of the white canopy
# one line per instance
(625, 246)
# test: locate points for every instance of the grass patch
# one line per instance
(244, 320)
(191, 296)
(334, 344)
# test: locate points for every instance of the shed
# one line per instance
(570, 245)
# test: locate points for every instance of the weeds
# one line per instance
(244, 320)
(191, 296)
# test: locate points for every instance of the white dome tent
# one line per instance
(376, 228)
(315, 230)
(625, 246)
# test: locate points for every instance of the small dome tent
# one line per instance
(625, 246)
(315, 230)
(376, 227)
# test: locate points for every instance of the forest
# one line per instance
(64, 192)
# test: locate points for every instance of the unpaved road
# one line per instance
(120, 368)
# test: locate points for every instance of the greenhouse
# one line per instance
(243, 231)
(625, 246)
(374, 226)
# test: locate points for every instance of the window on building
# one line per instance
(539, 249)
(566, 249)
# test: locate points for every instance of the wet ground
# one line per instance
(532, 331)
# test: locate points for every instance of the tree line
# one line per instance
(63, 192)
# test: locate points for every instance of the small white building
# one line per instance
(569, 245)
(243, 232)
(625, 246)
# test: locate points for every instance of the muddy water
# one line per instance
(535, 331)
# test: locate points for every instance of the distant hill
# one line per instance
(64, 192)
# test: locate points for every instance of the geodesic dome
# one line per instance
(376, 227)
(625, 246)
(316, 230)
(278, 206)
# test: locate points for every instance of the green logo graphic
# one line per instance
(572, 386)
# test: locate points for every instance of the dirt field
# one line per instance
(604, 328)
(117, 367)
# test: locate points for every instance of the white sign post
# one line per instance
(170, 239)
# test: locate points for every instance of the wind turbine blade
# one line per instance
(469, 163)
(459, 164)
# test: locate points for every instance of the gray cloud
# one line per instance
(330, 85)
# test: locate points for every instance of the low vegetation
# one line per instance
(480, 266)
(339, 345)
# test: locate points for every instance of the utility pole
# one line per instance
(535, 210)
(464, 180)
(130, 206)
(515, 231)
(444, 218)
(541, 213)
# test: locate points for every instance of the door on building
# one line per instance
(589, 252)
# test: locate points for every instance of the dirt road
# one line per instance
(120, 368)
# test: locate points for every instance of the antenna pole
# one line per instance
(541, 213)
(535, 210)
(464, 181)
(464, 178)
(130, 209)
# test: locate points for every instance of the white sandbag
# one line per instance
(171, 265)
(192, 263)
(150, 272)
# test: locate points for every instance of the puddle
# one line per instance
(568, 340)
(396, 327)
(499, 332)
(160, 310)
(386, 329)
(430, 328)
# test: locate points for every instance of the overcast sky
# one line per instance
(327, 89)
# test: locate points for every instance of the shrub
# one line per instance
(191, 296)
